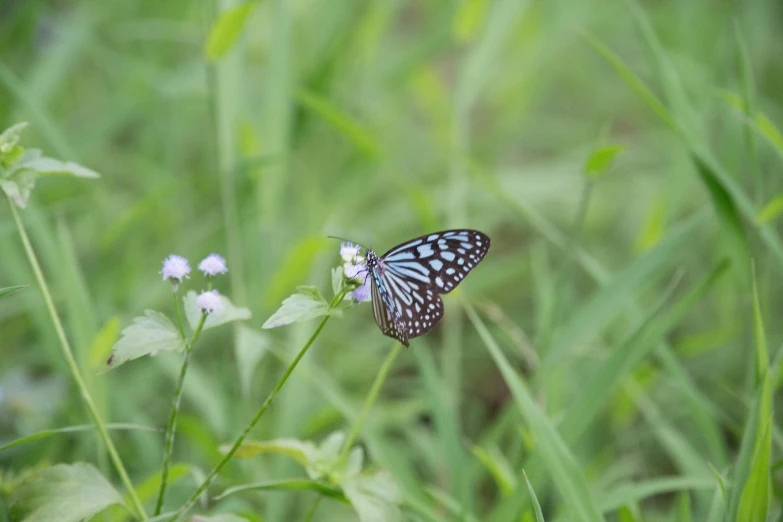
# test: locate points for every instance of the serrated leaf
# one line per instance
(337, 279)
(8, 290)
(306, 304)
(148, 335)
(50, 166)
(225, 314)
(10, 137)
(226, 29)
(63, 493)
(18, 184)
(374, 496)
(600, 160)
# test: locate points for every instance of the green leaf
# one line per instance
(226, 29)
(251, 346)
(70, 429)
(374, 496)
(337, 279)
(8, 290)
(149, 488)
(63, 493)
(10, 137)
(223, 517)
(102, 343)
(18, 184)
(148, 335)
(307, 304)
(770, 210)
(225, 314)
(341, 121)
(304, 452)
(288, 484)
(600, 160)
(50, 166)
(536, 505)
(754, 503)
(498, 466)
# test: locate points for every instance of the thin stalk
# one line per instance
(268, 402)
(172, 429)
(373, 395)
(69, 358)
(179, 316)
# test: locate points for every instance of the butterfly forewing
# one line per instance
(410, 276)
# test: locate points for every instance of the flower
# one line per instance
(209, 301)
(355, 271)
(349, 251)
(213, 265)
(175, 269)
(361, 294)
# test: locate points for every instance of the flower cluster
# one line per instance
(176, 269)
(355, 271)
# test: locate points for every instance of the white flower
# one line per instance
(355, 271)
(349, 251)
(361, 294)
(175, 269)
(213, 265)
(209, 301)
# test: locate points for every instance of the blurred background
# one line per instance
(381, 121)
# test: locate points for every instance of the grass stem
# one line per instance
(69, 358)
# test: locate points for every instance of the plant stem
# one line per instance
(268, 402)
(373, 395)
(179, 316)
(69, 358)
(172, 429)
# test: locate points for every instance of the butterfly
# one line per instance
(408, 279)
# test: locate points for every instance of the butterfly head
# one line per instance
(372, 259)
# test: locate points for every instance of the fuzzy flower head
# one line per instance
(209, 301)
(349, 252)
(361, 294)
(175, 269)
(213, 265)
(356, 272)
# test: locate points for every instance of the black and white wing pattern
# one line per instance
(408, 279)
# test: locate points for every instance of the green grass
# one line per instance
(620, 342)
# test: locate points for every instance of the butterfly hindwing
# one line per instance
(386, 315)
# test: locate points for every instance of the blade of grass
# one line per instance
(447, 423)
(536, 505)
(560, 462)
(71, 429)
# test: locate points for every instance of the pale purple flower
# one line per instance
(175, 269)
(213, 265)
(349, 251)
(355, 271)
(209, 301)
(361, 294)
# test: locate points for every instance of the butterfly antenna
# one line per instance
(346, 240)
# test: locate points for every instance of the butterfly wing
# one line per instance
(384, 311)
(416, 272)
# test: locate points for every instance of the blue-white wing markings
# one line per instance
(458, 253)
(405, 246)
(420, 307)
(383, 311)
(416, 271)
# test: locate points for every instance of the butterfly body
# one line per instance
(408, 279)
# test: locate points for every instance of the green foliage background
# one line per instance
(601, 309)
